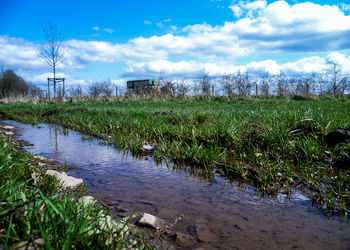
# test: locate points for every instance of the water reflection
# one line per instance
(218, 213)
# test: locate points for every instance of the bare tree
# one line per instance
(77, 91)
(101, 88)
(170, 86)
(205, 82)
(338, 81)
(282, 85)
(226, 83)
(182, 87)
(242, 83)
(60, 92)
(34, 91)
(292, 84)
(315, 82)
(265, 84)
(52, 51)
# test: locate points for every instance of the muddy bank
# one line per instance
(199, 210)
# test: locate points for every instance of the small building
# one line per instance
(141, 85)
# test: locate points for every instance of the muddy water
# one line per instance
(215, 212)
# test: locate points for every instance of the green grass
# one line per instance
(275, 144)
(35, 213)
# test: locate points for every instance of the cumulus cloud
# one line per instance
(194, 68)
(248, 8)
(147, 22)
(298, 27)
(19, 53)
(341, 59)
(96, 28)
(237, 11)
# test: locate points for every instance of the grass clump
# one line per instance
(275, 144)
(35, 213)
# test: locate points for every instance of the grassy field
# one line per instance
(275, 144)
(35, 213)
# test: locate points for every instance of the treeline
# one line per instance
(331, 82)
(11, 85)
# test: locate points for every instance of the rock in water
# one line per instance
(148, 149)
(148, 220)
(68, 181)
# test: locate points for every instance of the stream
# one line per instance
(216, 212)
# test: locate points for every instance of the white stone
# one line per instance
(147, 148)
(68, 181)
(87, 200)
(9, 133)
(8, 127)
(149, 220)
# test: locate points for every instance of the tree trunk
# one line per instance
(54, 82)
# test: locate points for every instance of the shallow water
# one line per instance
(216, 212)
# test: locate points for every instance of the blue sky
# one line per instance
(128, 39)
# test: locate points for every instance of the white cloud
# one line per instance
(96, 28)
(120, 83)
(160, 25)
(147, 22)
(341, 59)
(277, 27)
(194, 68)
(305, 65)
(19, 53)
(237, 11)
(41, 78)
(110, 31)
(255, 5)
(167, 20)
(248, 8)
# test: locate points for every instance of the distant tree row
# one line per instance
(332, 82)
(11, 85)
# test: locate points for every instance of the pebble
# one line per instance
(8, 127)
(149, 220)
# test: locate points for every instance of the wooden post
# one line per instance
(64, 89)
(48, 87)
(54, 88)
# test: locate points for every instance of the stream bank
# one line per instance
(214, 212)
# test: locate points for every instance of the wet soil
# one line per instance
(201, 210)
